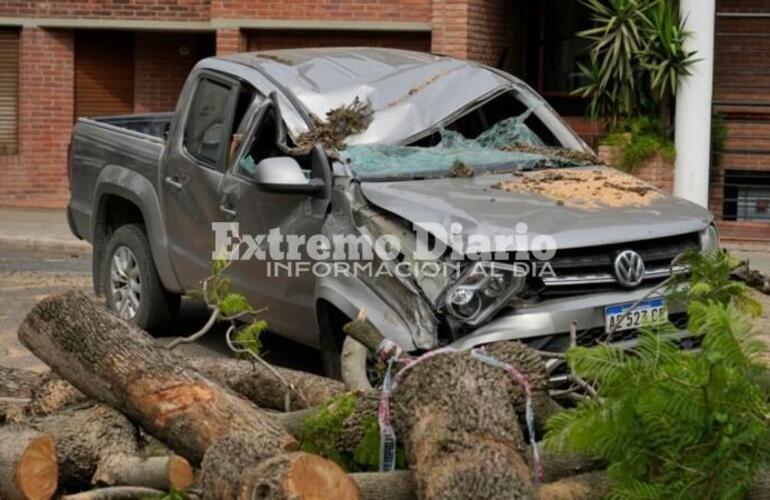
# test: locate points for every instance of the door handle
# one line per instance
(227, 210)
(173, 181)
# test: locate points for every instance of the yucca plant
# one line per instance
(617, 40)
(664, 55)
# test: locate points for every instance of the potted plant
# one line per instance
(637, 59)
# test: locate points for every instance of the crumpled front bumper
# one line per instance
(554, 317)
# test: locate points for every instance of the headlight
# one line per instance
(709, 239)
(482, 289)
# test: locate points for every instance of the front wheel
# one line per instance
(134, 290)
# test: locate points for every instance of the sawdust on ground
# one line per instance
(584, 188)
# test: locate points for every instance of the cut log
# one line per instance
(260, 386)
(290, 476)
(589, 486)
(239, 467)
(396, 485)
(52, 394)
(17, 383)
(28, 468)
(85, 438)
(162, 473)
(116, 493)
(113, 362)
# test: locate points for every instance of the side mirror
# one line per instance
(284, 175)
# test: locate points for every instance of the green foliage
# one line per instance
(249, 337)
(321, 431)
(664, 55)
(617, 40)
(672, 423)
(233, 303)
(636, 140)
(367, 453)
(170, 495)
(637, 57)
(709, 281)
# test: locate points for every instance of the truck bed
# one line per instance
(109, 146)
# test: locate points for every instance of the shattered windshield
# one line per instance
(470, 147)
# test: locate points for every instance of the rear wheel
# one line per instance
(134, 290)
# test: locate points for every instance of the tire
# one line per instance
(131, 283)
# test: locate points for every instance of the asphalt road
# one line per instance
(26, 276)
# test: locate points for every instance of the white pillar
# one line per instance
(693, 105)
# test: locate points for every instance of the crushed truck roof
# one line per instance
(410, 92)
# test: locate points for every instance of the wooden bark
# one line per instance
(115, 363)
(96, 444)
(397, 485)
(239, 467)
(52, 394)
(457, 419)
(589, 486)
(260, 386)
(116, 493)
(17, 383)
(290, 476)
(28, 468)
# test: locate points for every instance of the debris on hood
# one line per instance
(579, 157)
(584, 188)
(460, 169)
(341, 122)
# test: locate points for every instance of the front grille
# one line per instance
(590, 270)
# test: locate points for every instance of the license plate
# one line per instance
(647, 311)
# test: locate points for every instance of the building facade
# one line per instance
(63, 59)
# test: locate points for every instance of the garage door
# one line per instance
(290, 39)
(741, 180)
(104, 73)
(9, 90)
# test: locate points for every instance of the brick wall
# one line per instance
(655, 170)
(230, 41)
(37, 175)
(169, 10)
(381, 10)
(162, 63)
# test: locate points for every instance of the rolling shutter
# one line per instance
(104, 73)
(9, 91)
(293, 39)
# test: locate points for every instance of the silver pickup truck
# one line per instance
(447, 145)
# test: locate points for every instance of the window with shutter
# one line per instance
(9, 91)
(104, 73)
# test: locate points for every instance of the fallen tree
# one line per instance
(112, 362)
(459, 419)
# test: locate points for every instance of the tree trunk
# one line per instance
(18, 383)
(116, 493)
(457, 419)
(98, 445)
(28, 467)
(260, 386)
(298, 475)
(115, 363)
(51, 395)
(239, 467)
(397, 485)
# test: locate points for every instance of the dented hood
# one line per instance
(483, 209)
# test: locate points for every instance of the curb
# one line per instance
(71, 246)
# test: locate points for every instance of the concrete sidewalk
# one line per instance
(43, 229)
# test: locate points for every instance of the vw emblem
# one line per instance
(629, 268)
